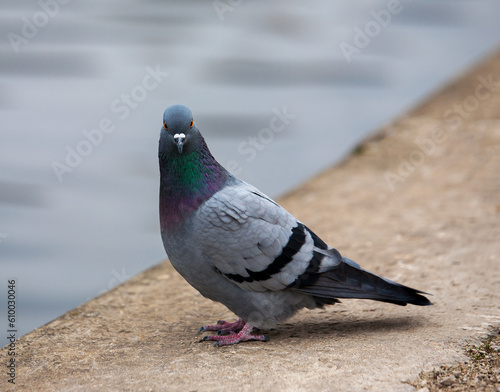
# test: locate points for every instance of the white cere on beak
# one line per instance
(179, 139)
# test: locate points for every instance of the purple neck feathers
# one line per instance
(187, 181)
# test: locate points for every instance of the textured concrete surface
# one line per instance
(424, 213)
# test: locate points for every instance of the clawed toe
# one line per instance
(226, 336)
(223, 327)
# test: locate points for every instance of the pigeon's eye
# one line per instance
(191, 125)
(165, 125)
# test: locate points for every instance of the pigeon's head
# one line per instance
(179, 133)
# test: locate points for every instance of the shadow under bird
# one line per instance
(237, 246)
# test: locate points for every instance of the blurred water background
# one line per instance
(78, 206)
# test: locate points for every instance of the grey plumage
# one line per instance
(238, 247)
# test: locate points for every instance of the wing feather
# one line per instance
(251, 240)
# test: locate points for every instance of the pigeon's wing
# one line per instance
(257, 244)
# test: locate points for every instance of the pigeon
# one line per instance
(238, 247)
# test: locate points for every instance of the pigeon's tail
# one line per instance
(349, 280)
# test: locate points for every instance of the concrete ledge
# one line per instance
(419, 202)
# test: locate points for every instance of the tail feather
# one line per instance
(349, 280)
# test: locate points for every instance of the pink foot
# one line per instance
(223, 327)
(233, 338)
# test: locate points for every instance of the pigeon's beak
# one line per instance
(179, 139)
